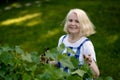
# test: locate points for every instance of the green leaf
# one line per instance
(74, 61)
(66, 62)
(7, 58)
(61, 48)
(26, 57)
(52, 54)
(99, 78)
(6, 48)
(19, 50)
(2, 72)
(26, 76)
(108, 78)
(8, 77)
(89, 72)
(35, 57)
(74, 77)
(33, 68)
(54, 73)
(85, 67)
(70, 50)
(79, 72)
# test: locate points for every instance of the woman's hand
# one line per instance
(44, 59)
(88, 59)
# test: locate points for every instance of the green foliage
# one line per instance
(16, 64)
(77, 73)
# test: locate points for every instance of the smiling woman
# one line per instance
(78, 27)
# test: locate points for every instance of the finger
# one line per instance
(84, 56)
(90, 60)
(89, 64)
(87, 58)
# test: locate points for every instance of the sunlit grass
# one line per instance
(49, 34)
(112, 39)
(16, 5)
(19, 19)
(33, 23)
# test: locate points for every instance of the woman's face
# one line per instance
(73, 25)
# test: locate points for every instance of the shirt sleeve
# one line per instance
(88, 48)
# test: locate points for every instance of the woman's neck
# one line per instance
(73, 38)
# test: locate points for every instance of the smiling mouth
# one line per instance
(72, 28)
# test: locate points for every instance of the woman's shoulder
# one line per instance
(63, 36)
(87, 42)
(83, 39)
(61, 39)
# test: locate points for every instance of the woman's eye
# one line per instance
(76, 21)
(70, 20)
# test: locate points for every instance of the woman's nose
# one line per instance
(73, 22)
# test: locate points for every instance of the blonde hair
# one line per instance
(86, 26)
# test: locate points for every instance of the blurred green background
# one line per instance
(36, 24)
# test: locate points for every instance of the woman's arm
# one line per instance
(92, 65)
(95, 69)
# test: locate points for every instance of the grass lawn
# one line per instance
(36, 24)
